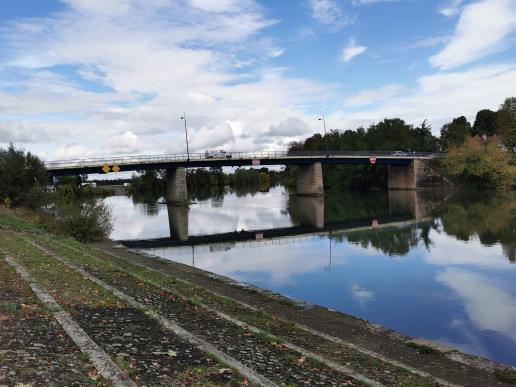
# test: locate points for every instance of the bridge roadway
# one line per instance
(270, 235)
(234, 159)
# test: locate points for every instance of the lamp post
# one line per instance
(325, 138)
(186, 136)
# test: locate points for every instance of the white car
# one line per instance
(217, 154)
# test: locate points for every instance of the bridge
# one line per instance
(405, 170)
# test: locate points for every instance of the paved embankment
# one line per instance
(165, 323)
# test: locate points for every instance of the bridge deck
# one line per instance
(233, 159)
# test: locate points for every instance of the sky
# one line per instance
(90, 78)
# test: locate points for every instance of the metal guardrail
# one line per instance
(150, 159)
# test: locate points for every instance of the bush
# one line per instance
(21, 177)
(86, 222)
(481, 166)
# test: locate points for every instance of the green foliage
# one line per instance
(21, 177)
(506, 121)
(480, 166)
(455, 133)
(87, 222)
(146, 186)
(485, 123)
(488, 216)
(387, 135)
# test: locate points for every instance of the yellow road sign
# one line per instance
(106, 168)
(115, 168)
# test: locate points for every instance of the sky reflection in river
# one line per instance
(447, 277)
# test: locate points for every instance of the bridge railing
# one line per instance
(150, 159)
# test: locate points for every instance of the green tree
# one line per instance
(485, 123)
(455, 133)
(481, 166)
(22, 176)
(507, 123)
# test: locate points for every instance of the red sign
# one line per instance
(372, 160)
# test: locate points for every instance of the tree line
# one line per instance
(474, 156)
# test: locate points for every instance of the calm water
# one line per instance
(426, 264)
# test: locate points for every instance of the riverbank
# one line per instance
(161, 322)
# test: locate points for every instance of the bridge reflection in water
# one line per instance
(402, 208)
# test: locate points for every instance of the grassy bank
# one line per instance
(276, 347)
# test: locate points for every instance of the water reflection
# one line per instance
(422, 263)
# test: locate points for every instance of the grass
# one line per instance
(8, 307)
(506, 375)
(423, 349)
(198, 297)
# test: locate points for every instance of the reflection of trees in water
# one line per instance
(490, 217)
(394, 241)
(148, 202)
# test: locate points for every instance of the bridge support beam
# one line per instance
(310, 180)
(415, 175)
(403, 176)
(176, 186)
(178, 222)
(310, 211)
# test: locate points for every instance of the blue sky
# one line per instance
(84, 78)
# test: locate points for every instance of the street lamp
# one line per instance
(325, 137)
(186, 135)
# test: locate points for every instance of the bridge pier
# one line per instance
(176, 186)
(178, 222)
(402, 176)
(310, 211)
(310, 180)
(415, 175)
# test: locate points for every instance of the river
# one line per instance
(426, 264)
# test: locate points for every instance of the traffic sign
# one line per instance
(372, 159)
(106, 168)
(115, 168)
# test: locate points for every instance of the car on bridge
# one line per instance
(217, 154)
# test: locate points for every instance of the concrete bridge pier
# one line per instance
(402, 176)
(310, 211)
(310, 180)
(178, 222)
(176, 186)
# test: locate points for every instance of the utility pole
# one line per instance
(325, 138)
(186, 136)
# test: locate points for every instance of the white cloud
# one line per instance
(482, 29)
(440, 97)
(330, 13)
(366, 97)
(488, 305)
(352, 50)
(154, 63)
(361, 294)
(452, 8)
(292, 126)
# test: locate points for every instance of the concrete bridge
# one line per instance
(405, 171)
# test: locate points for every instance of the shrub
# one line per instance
(481, 166)
(86, 222)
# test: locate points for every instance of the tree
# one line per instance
(485, 123)
(506, 121)
(455, 133)
(481, 166)
(21, 177)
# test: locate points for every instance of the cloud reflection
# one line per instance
(488, 305)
